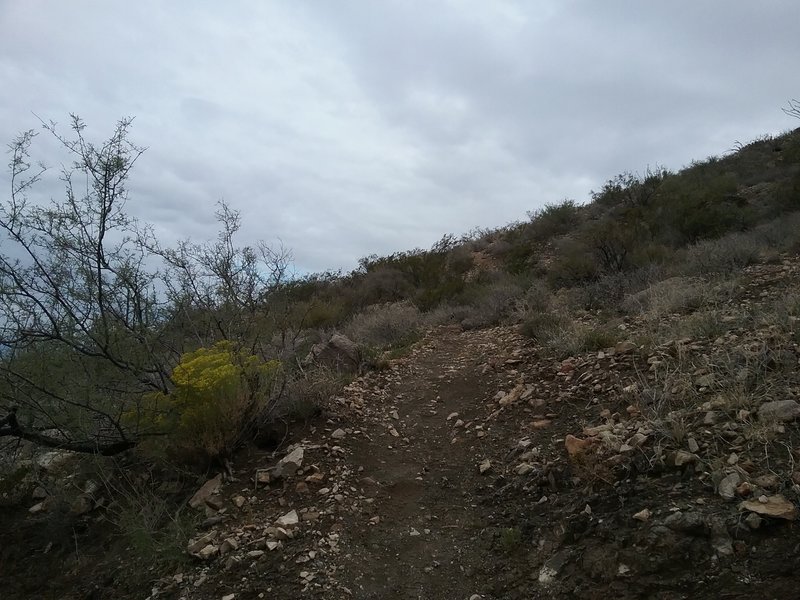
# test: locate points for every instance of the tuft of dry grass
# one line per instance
(384, 325)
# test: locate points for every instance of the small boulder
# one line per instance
(625, 347)
(643, 515)
(576, 446)
(779, 410)
(523, 469)
(775, 506)
(208, 489)
(290, 463)
(289, 520)
(727, 487)
(339, 353)
(684, 458)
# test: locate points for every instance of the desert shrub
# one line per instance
(544, 325)
(629, 190)
(614, 242)
(553, 330)
(604, 292)
(321, 312)
(574, 263)
(519, 256)
(706, 324)
(726, 255)
(426, 273)
(650, 255)
(384, 325)
(554, 220)
(787, 194)
(491, 303)
(597, 338)
(782, 234)
(499, 248)
(446, 290)
(220, 394)
(150, 515)
(511, 539)
(560, 333)
(673, 295)
(536, 298)
(459, 260)
(309, 392)
(384, 284)
(446, 314)
(696, 206)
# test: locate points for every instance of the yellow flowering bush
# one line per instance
(218, 392)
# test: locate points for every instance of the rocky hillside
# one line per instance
(484, 464)
(599, 402)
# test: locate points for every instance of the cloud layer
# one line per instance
(350, 128)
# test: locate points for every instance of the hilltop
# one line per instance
(600, 401)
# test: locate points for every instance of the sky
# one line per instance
(348, 128)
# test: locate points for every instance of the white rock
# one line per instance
(338, 434)
(727, 487)
(289, 464)
(209, 488)
(288, 520)
(547, 575)
(523, 469)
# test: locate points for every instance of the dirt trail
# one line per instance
(424, 545)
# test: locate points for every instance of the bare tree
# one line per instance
(80, 316)
(793, 110)
(221, 291)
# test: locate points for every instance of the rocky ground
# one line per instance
(482, 465)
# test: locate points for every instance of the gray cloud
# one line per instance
(353, 127)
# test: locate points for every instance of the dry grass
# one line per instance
(561, 334)
(674, 295)
(384, 325)
(727, 255)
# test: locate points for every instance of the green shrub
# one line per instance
(554, 220)
(574, 263)
(787, 194)
(698, 207)
(219, 393)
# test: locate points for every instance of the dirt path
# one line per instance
(429, 524)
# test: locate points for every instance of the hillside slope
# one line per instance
(455, 472)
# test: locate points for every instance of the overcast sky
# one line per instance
(346, 128)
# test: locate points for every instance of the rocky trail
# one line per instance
(480, 466)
